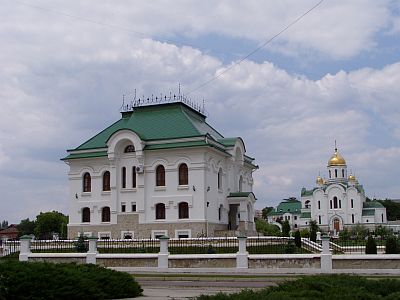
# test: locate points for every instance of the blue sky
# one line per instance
(333, 75)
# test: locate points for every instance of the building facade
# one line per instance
(339, 201)
(160, 170)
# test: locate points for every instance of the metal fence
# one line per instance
(9, 247)
(211, 245)
(56, 246)
(354, 246)
(273, 245)
(128, 246)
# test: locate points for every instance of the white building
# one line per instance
(160, 170)
(339, 201)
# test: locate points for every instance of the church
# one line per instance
(334, 203)
(161, 169)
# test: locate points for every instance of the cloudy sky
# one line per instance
(335, 74)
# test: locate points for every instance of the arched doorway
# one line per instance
(336, 224)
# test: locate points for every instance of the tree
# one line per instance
(359, 232)
(266, 211)
(4, 224)
(267, 229)
(49, 223)
(392, 246)
(26, 227)
(370, 246)
(344, 234)
(297, 239)
(285, 228)
(392, 209)
(382, 231)
(313, 230)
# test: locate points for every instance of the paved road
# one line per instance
(187, 288)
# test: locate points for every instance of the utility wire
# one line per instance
(255, 50)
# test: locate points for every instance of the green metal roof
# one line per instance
(368, 212)
(293, 207)
(305, 215)
(86, 155)
(305, 192)
(372, 204)
(240, 194)
(176, 145)
(156, 122)
(228, 142)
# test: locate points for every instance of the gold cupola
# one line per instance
(352, 177)
(336, 160)
(319, 180)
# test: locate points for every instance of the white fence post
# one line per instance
(25, 250)
(326, 255)
(92, 252)
(242, 260)
(163, 254)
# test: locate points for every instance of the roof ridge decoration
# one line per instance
(130, 102)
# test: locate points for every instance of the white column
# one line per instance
(25, 248)
(92, 252)
(163, 254)
(326, 255)
(242, 255)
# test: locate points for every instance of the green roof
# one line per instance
(176, 145)
(368, 212)
(86, 155)
(305, 192)
(293, 207)
(156, 122)
(372, 204)
(305, 215)
(240, 194)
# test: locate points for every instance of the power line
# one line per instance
(255, 50)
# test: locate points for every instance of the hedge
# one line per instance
(38, 280)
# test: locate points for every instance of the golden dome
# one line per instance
(336, 160)
(352, 177)
(319, 180)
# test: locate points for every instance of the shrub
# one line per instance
(290, 247)
(80, 244)
(34, 280)
(305, 233)
(370, 246)
(392, 246)
(297, 239)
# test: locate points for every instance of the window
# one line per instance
(123, 207)
(87, 182)
(183, 210)
(240, 183)
(288, 218)
(133, 177)
(352, 218)
(106, 181)
(335, 202)
(183, 234)
(295, 217)
(335, 173)
(123, 177)
(330, 174)
(319, 219)
(127, 235)
(343, 173)
(319, 204)
(160, 211)
(160, 176)
(295, 225)
(330, 204)
(183, 175)
(340, 203)
(307, 204)
(105, 214)
(133, 207)
(382, 217)
(220, 179)
(85, 215)
(129, 148)
(220, 212)
(352, 203)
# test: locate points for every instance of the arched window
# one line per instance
(87, 182)
(330, 204)
(352, 218)
(307, 204)
(160, 211)
(133, 177)
(85, 215)
(343, 173)
(340, 203)
(240, 183)
(123, 177)
(319, 204)
(335, 173)
(220, 212)
(319, 220)
(382, 217)
(183, 210)
(335, 202)
(220, 179)
(352, 203)
(160, 176)
(129, 148)
(106, 181)
(105, 214)
(183, 175)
